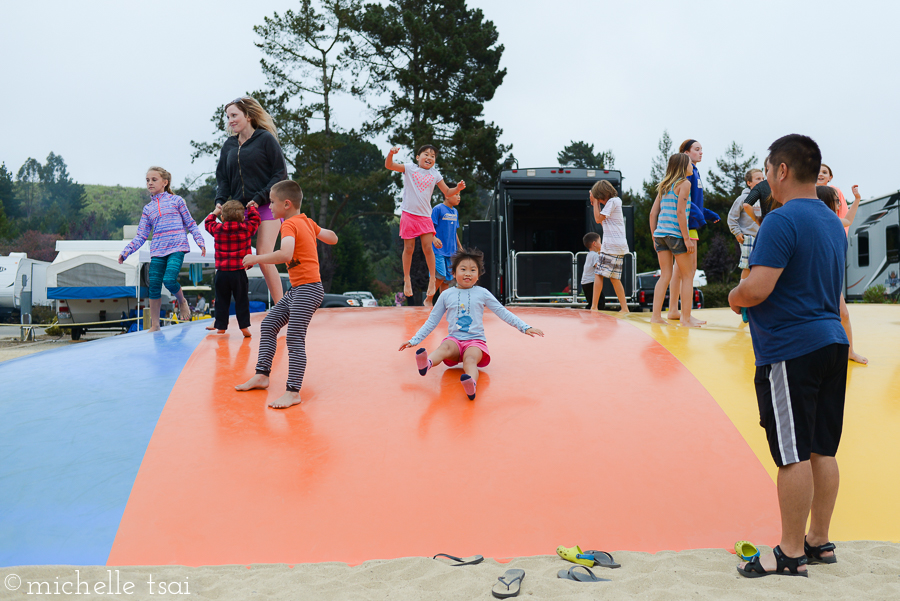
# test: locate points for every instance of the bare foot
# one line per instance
(624, 312)
(674, 315)
(258, 381)
(154, 329)
(407, 288)
(428, 302)
(697, 322)
(659, 320)
(858, 358)
(288, 399)
(210, 327)
(688, 324)
(184, 310)
(432, 288)
(245, 332)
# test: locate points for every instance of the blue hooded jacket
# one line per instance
(699, 215)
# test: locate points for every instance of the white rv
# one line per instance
(12, 269)
(873, 256)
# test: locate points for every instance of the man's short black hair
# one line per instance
(590, 238)
(800, 153)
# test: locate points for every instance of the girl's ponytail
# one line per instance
(165, 175)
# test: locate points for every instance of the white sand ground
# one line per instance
(865, 570)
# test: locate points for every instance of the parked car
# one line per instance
(647, 285)
(366, 298)
(259, 292)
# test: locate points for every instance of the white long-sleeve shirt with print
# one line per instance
(465, 311)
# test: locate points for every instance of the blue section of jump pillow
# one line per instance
(75, 423)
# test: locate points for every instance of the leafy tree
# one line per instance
(733, 168)
(37, 244)
(63, 197)
(721, 259)
(428, 69)
(28, 188)
(7, 201)
(581, 155)
(353, 271)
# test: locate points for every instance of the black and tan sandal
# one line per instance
(814, 554)
(754, 568)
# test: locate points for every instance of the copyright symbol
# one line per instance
(12, 582)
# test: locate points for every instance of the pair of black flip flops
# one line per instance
(509, 584)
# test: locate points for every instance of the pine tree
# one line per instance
(581, 155)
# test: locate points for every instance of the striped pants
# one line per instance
(295, 309)
(164, 270)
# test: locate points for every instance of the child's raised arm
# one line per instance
(327, 236)
(447, 191)
(389, 160)
(847, 220)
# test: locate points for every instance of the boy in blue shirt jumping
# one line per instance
(446, 241)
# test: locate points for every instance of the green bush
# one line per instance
(41, 314)
(716, 295)
(875, 294)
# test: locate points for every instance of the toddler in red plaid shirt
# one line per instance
(232, 238)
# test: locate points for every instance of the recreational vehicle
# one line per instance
(873, 255)
(13, 269)
(533, 231)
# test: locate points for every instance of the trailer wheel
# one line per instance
(76, 333)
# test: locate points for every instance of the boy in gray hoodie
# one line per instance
(742, 226)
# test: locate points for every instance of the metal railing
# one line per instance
(544, 276)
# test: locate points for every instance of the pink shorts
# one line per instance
(265, 213)
(463, 345)
(413, 226)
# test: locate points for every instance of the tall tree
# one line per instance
(7, 202)
(727, 184)
(63, 197)
(581, 155)
(429, 68)
(28, 188)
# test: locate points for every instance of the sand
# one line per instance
(865, 570)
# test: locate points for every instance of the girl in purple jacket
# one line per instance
(167, 216)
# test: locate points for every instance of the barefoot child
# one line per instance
(419, 180)
(608, 213)
(464, 306)
(296, 307)
(831, 196)
(167, 217)
(669, 224)
(592, 243)
(232, 245)
(445, 218)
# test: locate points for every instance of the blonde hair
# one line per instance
(254, 111)
(233, 210)
(165, 175)
(748, 177)
(603, 190)
(675, 172)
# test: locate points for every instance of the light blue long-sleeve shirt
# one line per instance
(465, 311)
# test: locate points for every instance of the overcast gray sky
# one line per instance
(116, 86)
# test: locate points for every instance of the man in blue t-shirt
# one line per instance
(446, 221)
(793, 296)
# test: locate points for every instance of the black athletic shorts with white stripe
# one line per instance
(801, 404)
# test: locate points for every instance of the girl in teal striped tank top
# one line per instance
(671, 237)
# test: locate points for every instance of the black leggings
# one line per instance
(228, 284)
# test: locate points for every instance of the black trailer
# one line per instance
(532, 236)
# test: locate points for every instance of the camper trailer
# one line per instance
(13, 269)
(533, 231)
(91, 286)
(873, 255)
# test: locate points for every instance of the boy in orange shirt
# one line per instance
(295, 309)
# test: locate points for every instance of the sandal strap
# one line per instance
(511, 582)
(754, 565)
(816, 552)
(792, 564)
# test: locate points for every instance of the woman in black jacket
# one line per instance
(251, 162)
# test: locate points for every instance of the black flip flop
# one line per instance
(575, 573)
(510, 584)
(468, 561)
(602, 559)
